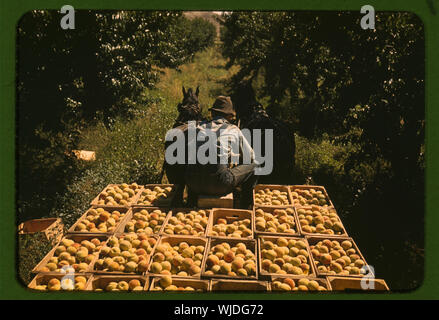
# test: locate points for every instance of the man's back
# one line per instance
(226, 139)
(215, 151)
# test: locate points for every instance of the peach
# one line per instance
(133, 283)
(229, 256)
(290, 282)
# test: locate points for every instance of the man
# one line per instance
(233, 163)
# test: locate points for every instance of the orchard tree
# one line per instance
(69, 79)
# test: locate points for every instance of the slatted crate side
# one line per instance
(126, 211)
(163, 203)
(339, 283)
(50, 229)
(239, 285)
(292, 188)
(312, 240)
(249, 243)
(231, 215)
(310, 234)
(175, 211)
(206, 201)
(263, 273)
(273, 187)
(276, 234)
(204, 285)
(76, 238)
(101, 281)
(44, 278)
(176, 240)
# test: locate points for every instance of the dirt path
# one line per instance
(207, 71)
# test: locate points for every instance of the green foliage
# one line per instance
(128, 135)
(356, 100)
(127, 151)
(196, 34)
(207, 70)
(132, 150)
(319, 161)
(68, 81)
(325, 64)
(31, 250)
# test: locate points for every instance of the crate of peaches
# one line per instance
(187, 222)
(275, 221)
(280, 256)
(305, 195)
(156, 195)
(299, 284)
(320, 220)
(337, 256)
(73, 254)
(168, 283)
(231, 258)
(272, 196)
(59, 282)
(178, 256)
(146, 220)
(100, 220)
(118, 195)
(118, 283)
(231, 223)
(125, 253)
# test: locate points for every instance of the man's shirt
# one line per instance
(226, 139)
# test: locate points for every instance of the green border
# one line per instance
(11, 11)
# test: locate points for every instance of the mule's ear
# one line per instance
(184, 91)
(197, 92)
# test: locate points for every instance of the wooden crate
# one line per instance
(111, 273)
(84, 155)
(275, 234)
(124, 210)
(272, 187)
(76, 238)
(131, 200)
(239, 285)
(101, 281)
(176, 240)
(231, 215)
(161, 203)
(43, 278)
(265, 274)
(314, 239)
(354, 284)
(249, 243)
(204, 285)
(51, 228)
(173, 213)
(322, 281)
(307, 187)
(207, 201)
(148, 209)
(344, 233)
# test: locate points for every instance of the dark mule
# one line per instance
(251, 115)
(188, 110)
